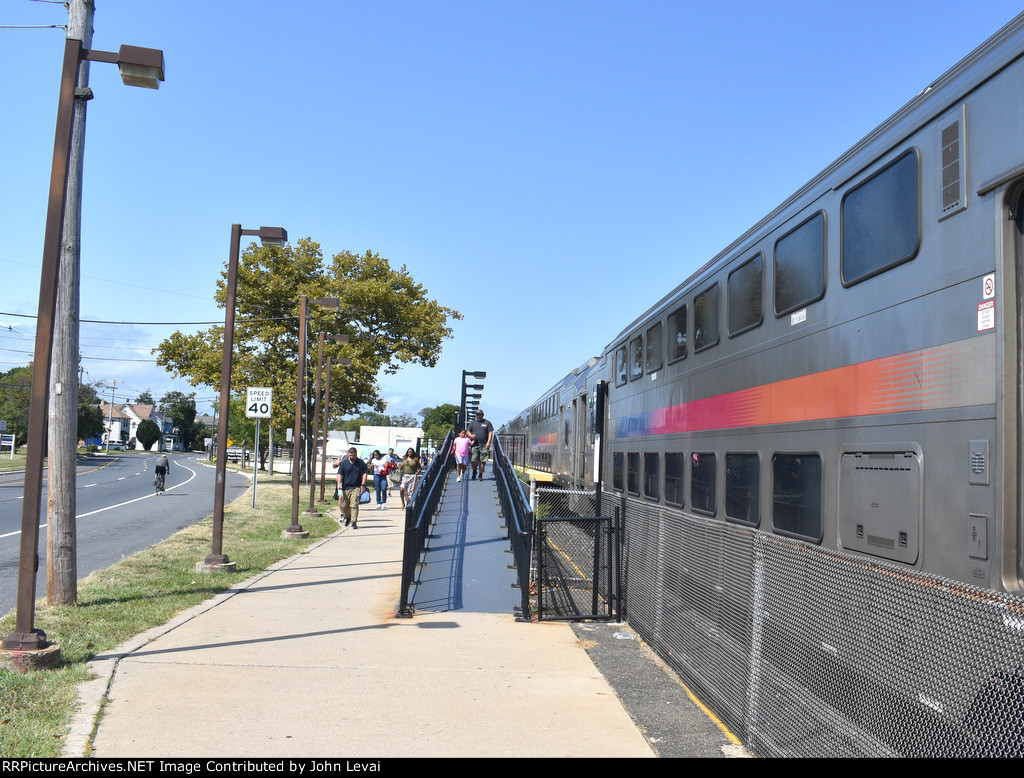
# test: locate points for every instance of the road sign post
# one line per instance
(258, 401)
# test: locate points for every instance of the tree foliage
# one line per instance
(439, 420)
(388, 317)
(147, 433)
(181, 408)
(90, 418)
(15, 397)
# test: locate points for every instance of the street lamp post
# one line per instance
(295, 529)
(463, 421)
(326, 414)
(139, 67)
(269, 236)
(312, 511)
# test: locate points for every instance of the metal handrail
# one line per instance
(515, 507)
(418, 514)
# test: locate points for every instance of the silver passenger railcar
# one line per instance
(816, 443)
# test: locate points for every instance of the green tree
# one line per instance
(439, 421)
(147, 433)
(15, 396)
(145, 398)
(388, 317)
(181, 408)
(90, 418)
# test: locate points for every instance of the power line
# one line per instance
(157, 323)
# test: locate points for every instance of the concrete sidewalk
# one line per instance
(309, 660)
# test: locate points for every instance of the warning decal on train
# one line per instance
(986, 315)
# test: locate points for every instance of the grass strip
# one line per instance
(138, 593)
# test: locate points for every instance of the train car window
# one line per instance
(705, 318)
(796, 495)
(677, 335)
(744, 296)
(652, 475)
(800, 266)
(674, 464)
(702, 483)
(881, 221)
(618, 469)
(633, 473)
(654, 358)
(743, 488)
(636, 357)
(620, 366)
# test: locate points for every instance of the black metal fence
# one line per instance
(514, 446)
(515, 508)
(419, 514)
(577, 563)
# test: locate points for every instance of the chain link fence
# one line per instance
(803, 651)
(575, 556)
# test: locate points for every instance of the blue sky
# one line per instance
(550, 169)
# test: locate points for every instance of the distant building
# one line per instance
(383, 438)
(121, 423)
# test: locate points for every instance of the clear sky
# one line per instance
(548, 168)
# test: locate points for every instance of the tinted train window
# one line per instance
(744, 295)
(677, 335)
(633, 473)
(796, 494)
(636, 358)
(705, 317)
(618, 466)
(652, 476)
(880, 221)
(654, 348)
(743, 488)
(702, 483)
(674, 464)
(800, 266)
(620, 366)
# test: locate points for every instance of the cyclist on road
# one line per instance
(163, 466)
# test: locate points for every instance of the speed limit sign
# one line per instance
(257, 402)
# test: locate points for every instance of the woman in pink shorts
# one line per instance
(461, 451)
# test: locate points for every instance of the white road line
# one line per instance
(119, 505)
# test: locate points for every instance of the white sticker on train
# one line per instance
(987, 315)
(799, 316)
(988, 286)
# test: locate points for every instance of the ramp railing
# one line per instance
(515, 508)
(419, 514)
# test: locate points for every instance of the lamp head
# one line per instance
(140, 66)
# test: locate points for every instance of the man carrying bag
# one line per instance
(351, 484)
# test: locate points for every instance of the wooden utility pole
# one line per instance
(61, 529)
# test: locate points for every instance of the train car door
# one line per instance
(1015, 201)
(579, 471)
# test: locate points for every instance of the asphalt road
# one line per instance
(118, 511)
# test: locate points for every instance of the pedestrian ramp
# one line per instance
(467, 564)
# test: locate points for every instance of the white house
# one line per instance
(121, 424)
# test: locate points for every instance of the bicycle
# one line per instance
(158, 481)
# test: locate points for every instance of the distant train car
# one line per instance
(817, 443)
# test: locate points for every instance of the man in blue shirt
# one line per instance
(351, 484)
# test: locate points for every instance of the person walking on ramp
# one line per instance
(351, 484)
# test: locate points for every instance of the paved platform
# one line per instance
(309, 660)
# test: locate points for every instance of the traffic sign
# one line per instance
(257, 402)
